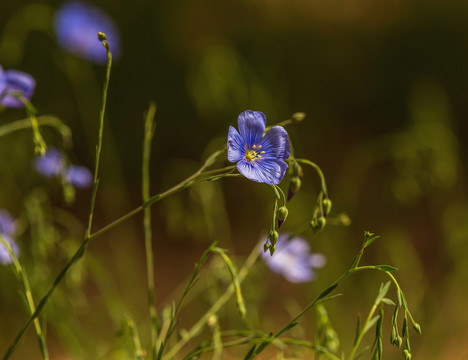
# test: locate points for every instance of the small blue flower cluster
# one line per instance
(53, 164)
(15, 82)
(7, 231)
(76, 27)
(293, 259)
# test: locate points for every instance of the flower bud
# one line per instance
(417, 327)
(399, 341)
(282, 215)
(298, 116)
(294, 187)
(266, 247)
(321, 222)
(407, 354)
(327, 205)
(273, 236)
(272, 249)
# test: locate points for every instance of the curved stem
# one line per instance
(45, 120)
(319, 173)
(196, 328)
(21, 274)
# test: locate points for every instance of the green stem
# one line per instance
(102, 37)
(40, 146)
(321, 297)
(196, 328)
(148, 136)
(21, 274)
(362, 332)
(319, 173)
(51, 121)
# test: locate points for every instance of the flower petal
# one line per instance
(17, 81)
(299, 273)
(317, 260)
(5, 257)
(79, 176)
(269, 171)
(251, 126)
(276, 143)
(235, 144)
(7, 223)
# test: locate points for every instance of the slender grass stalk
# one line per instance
(198, 326)
(46, 120)
(23, 277)
(81, 250)
(148, 136)
(139, 353)
(103, 38)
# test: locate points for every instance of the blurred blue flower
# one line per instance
(15, 81)
(7, 230)
(293, 259)
(79, 176)
(51, 164)
(259, 158)
(7, 223)
(76, 27)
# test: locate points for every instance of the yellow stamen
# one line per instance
(252, 155)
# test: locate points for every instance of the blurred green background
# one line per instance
(384, 87)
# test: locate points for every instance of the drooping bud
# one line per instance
(417, 327)
(321, 222)
(272, 249)
(294, 187)
(318, 224)
(298, 116)
(327, 205)
(266, 247)
(273, 236)
(282, 215)
(407, 354)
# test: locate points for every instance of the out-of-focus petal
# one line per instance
(5, 257)
(235, 144)
(299, 273)
(76, 27)
(7, 223)
(79, 176)
(293, 260)
(17, 82)
(297, 246)
(275, 143)
(251, 126)
(317, 260)
(269, 171)
(50, 164)
(2, 81)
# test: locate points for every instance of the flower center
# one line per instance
(253, 153)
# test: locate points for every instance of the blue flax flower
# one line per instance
(15, 81)
(7, 230)
(293, 259)
(76, 27)
(53, 164)
(79, 176)
(259, 158)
